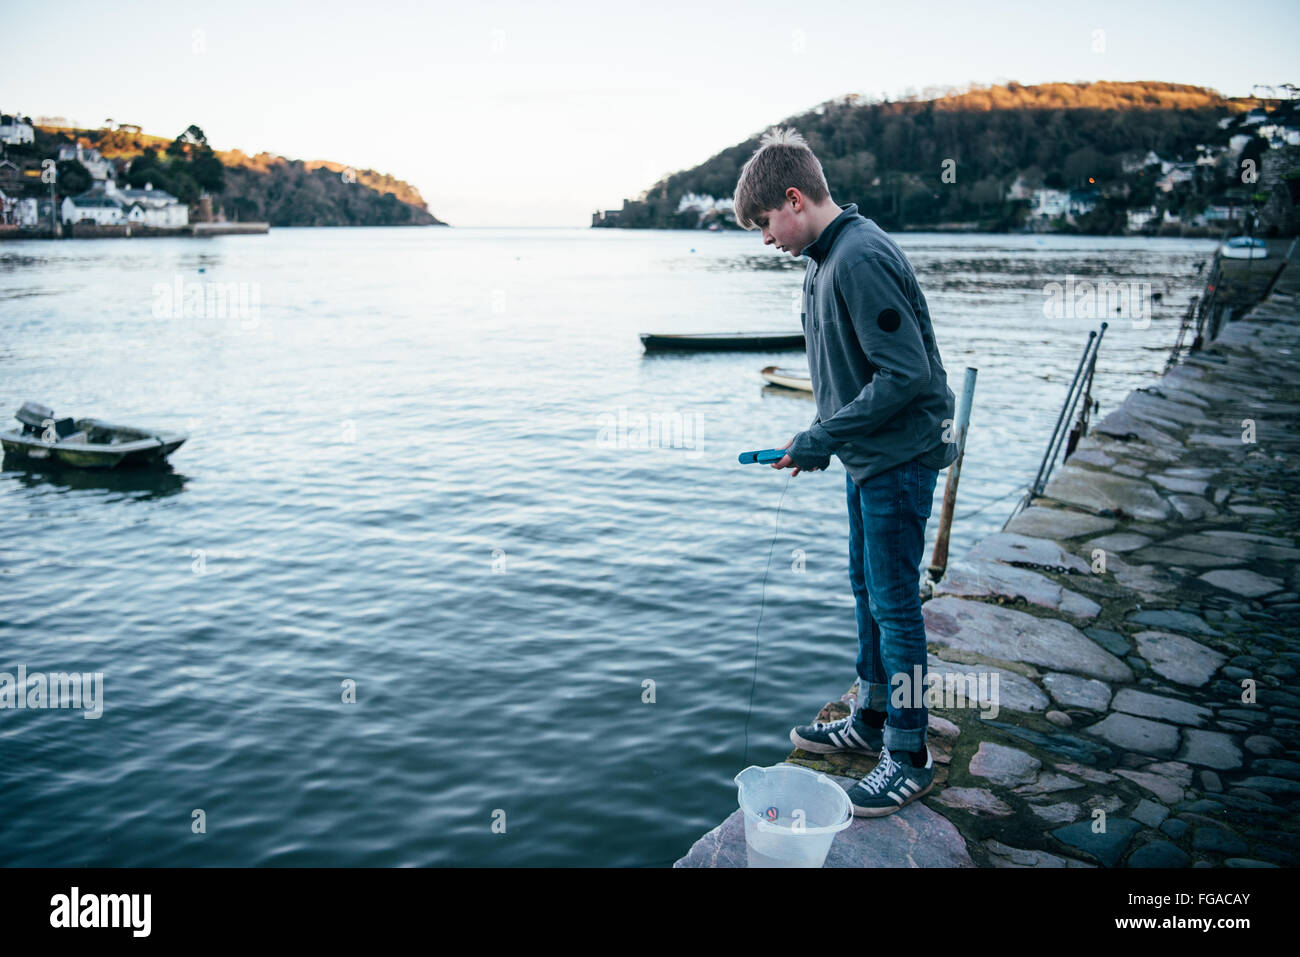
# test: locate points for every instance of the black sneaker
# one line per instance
(891, 785)
(850, 733)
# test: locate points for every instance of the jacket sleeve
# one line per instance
(889, 332)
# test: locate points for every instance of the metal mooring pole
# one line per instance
(939, 560)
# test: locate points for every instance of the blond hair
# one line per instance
(783, 159)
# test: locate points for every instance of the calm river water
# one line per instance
(417, 469)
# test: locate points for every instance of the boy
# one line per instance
(883, 405)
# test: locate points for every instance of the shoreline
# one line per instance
(134, 231)
(192, 231)
(1215, 232)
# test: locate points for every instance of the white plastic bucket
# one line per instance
(791, 815)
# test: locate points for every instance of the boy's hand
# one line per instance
(787, 462)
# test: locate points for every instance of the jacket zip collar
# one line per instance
(821, 247)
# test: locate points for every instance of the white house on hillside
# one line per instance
(15, 130)
(106, 205)
(1132, 162)
(30, 213)
(1237, 143)
(158, 207)
(98, 167)
(1279, 136)
(93, 207)
(1175, 173)
(1019, 190)
(1139, 218)
(1049, 202)
(1082, 201)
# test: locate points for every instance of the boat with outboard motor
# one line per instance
(45, 439)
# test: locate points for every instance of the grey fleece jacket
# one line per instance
(881, 390)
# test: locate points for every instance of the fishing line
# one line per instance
(761, 603)
(1001, 498)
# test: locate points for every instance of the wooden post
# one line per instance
(939, 560)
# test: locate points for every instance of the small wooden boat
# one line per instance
(722, 341)
(1244, 247)
(84, 443)
(788, 378)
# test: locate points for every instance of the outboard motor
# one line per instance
(33, 416)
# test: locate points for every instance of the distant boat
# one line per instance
(722, 341)
(1244, 247)
(787, 378)
(84, 443)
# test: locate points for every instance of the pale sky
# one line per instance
(536, 114)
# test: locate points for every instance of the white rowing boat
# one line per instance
(787, 378)
(1244, 247)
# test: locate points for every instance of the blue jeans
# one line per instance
(887, 517)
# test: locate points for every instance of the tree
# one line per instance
(145, 168)
(182, 185)
(209, 173)
(194, 166)
(73, 178)
(1081, 165)
(1032, 177)
(987, 192)
(191, 142)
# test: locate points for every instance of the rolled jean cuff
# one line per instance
(904, 739)
(875, 698)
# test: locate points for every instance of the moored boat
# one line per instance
(1244, 247)
(45, 439)
(721, 341)
(787, 378)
